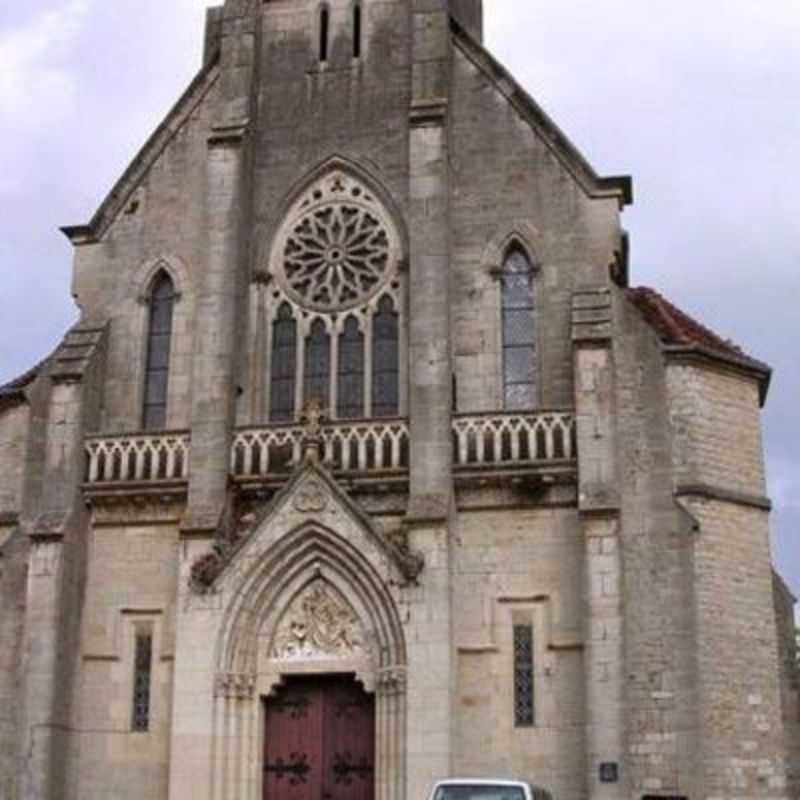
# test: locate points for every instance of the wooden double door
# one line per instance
(319, 741)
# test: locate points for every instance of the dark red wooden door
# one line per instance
(320, 742)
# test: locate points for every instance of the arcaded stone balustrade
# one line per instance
(480, 442)
(356, 446)
(138, 458)
(513, 439)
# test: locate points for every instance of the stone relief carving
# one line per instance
(235, 687)
(320, 624)
(311, 497)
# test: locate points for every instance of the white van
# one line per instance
(482, 789)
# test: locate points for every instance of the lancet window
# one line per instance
(159, 342)
(350, 395)
(284, 364)
(385, 359)
(142, 668)
(519, 331)
(334, 307)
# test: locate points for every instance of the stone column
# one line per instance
(57, 563)
(430, 400)
(599, 510)
(220, 305)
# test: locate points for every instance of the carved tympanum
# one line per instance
(320, 624)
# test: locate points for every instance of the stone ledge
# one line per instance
(709, 492)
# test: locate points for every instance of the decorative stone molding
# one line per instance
(311, 498)
(231, 686)
(338, 247)
(320, 624)
(392, 681)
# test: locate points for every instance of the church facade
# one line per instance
(365, 466)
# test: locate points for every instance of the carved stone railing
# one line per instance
(138, 458)
(481, 442)
(511, 440)
(347, 447)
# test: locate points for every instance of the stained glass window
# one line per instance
(350, 400)
(524, 707)
(159, 340)
(385, 361)
(142, 667)
(318, 365)
(519, 332)
(284, 366)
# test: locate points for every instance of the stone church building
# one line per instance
(365, 465)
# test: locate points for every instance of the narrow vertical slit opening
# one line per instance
(324, 30)
(357, 31)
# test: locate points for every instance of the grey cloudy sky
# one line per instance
(698, 99)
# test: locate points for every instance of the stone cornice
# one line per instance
(620, 187)
(709, 492)
(707, 357)
(119, 196)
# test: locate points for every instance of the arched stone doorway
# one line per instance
(312, 612)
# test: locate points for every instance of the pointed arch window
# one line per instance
(357, 25)
(385, 361)
(519, 331)
(284, 365)
(350, 380)
(324, 33)
(159, 342)
(318, 365)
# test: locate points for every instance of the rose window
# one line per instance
(338, 247)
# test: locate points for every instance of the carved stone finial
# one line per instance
(312, 418)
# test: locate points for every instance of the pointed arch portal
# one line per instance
(311, 620)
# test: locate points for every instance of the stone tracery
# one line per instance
(320, 624)
(337, 247)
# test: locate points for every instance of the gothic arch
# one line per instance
(349, 167)
(311, 552)
(519, 233)
(144, 276)
(262, 585)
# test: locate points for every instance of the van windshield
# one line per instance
(473, 791)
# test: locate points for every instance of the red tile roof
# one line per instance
(676, 328)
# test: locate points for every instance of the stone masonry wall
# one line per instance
(717, 429)
(719, 473)
(13, 455)
(657, 540)
(13, 575)
(132, 582)
(506, 180)
(790, 678)
(160, 225)
(519, 566)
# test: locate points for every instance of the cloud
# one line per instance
(37, 70)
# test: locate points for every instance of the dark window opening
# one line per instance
(142, 667)
(159, 341)
(357, 31)
(324, 26)
(318, 366)
(284, 366)
(519, 332)
(524, 708)
(385, 361)
(350, 391)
